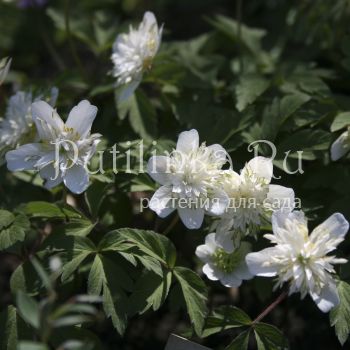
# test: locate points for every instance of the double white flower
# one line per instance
(341, 145)
(301, 259)
(17, 128)
(63, 150)
(133, 53)
(223, 261)
(252, 197)
(189, 180)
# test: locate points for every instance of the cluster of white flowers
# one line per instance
(133, 54)
(193, 174)
(193, 181)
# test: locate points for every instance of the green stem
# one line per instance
(172, 224)
(239, 33)
(265, 312)
(70, 39)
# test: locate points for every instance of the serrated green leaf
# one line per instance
(269, 337)
(39, 209)
(151, 243)
(340, 315)
(225, 317)
(240, 342)
(14, 231)
(96, 277)
(151, 290)
(249, 88)
(195, 294)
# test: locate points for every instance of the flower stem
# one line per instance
(265, 312)
(172, 224)
(70, 39)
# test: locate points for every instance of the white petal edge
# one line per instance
(158, 167)
(191, 218)
(20, 158)
(257, 263)
(261, 167)
(328, 298)
(161, 202)
(338, 150)
(76, 179)
(188, 141)
(81, 118)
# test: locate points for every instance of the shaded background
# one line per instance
(311, 31)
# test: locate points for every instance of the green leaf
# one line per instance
(151, 243)
(250, 38)
(8, 326)
(6, 219)
(278, 113)
(29, 309)
(225, 317)
(141, 113)
(269, 337)
(96, 277)
(5, 64)
(115, 307)
(76, 227)
(341, 121)
(39, 209)
(340, 315)
(195, 294)
(249, 88)
(151, 290)
(12, 228)
(30, 345)
(240, 342)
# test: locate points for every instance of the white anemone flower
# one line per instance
(223, 261)
(133, 53)
(341, 145)
(252, 197)
(301, 259)
(189, 178)
(63, 150)
(17, 127)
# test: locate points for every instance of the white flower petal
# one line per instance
(230, 280)
(281, 197)
(218, 203)
(335, 227)
(210, 272)
(76, 179)
(52, 179)
(161, 202)
(191, 218)
(338, 148)
(24, 157)
(81, 118)
(280, 217)
(219, 153)
(328, 298)
(242, 272)
(158, 167)
(225, 241)
(127, 90)
(46, 120)
(261, 167)
(188, 141)
(259, 265)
